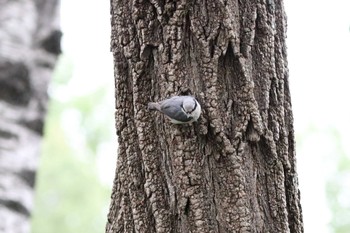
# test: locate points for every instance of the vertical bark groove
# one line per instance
(234, 170)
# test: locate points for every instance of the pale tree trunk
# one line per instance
(234, 170)
(29, 46)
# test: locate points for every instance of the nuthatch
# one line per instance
(179, 109)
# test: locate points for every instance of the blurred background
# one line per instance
(79, 150)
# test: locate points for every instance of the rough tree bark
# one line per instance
(29, 46)
(234, 170)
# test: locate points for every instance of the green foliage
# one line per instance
(338, 189)
(69, 194)
(324, 174)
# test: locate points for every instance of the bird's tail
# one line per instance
(153, 106)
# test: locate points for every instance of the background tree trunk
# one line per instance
(234, 170)
(29, 46)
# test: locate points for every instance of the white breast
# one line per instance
(197, 112)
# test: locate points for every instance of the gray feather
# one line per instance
(169, 108)
(174, 113)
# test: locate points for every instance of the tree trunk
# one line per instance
(234, 170)
(29, 46)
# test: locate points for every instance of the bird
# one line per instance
(179, 109)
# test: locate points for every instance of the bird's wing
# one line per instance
(168, 109)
